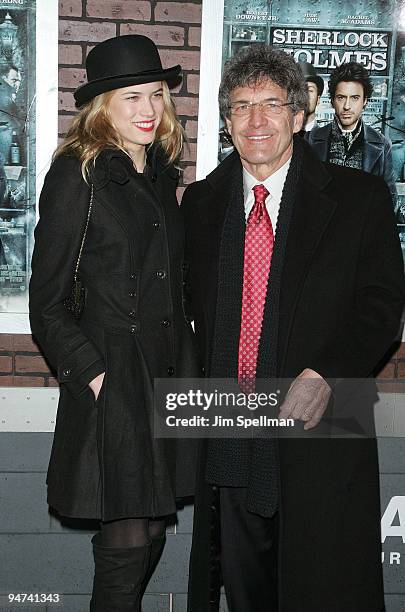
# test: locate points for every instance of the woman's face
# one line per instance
(136, 113)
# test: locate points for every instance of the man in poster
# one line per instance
(315, 87)
(295, 271)
(348, 141)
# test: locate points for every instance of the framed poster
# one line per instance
(28, 136)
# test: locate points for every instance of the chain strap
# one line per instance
(84, 233)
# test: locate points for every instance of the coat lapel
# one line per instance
(312, 214)
(373, 149)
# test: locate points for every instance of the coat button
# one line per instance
(166, 323)
(133, 276)
(132, 313)
(67, 372)
(153, 178)
(132, 294)
(170, 370)
(161, 274)
(156, 224)
(133, 329)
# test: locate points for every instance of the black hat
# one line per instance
(120, 62)
(310, 75)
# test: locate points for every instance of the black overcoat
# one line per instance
(341, 297)
(105, 461)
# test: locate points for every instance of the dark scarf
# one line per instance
(234, 462)
(346, 149)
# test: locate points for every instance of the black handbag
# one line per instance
(76, 299)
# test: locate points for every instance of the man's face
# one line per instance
(13, 78)
(349, 103)
(313, 98)
(263, 140)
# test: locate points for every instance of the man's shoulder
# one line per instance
(374, 136)
(320, 132)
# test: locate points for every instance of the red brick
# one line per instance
(189, 152)
(6, 364)
(401, 369)
(71, 77)
(6, 381)
(70, 54)
(66, 101)
(193, 83)
(64, 122)
(186, 106)
(25, 342)
(188, 175)
(6, 342)
(52, 382)
(70, 8)
(119, 9)
(191, 128)
(182, 12)
(28, 381)
(86, 31)
(25, 364)
(188, 60)
(194, 37)
(161, 35)
(388, 371)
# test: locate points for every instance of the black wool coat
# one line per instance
(105, 461)
(341, 297)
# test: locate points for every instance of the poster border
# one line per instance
(46, 136)
(210, 77)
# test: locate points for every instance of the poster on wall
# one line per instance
(28, 92)
(326, 36)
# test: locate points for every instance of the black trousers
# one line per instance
(249, 548)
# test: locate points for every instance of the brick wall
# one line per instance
(176, 28)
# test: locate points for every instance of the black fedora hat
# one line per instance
(310, 75)
(120, 62)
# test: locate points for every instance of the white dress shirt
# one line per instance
(274, 185)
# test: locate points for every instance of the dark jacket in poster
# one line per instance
(341, 297)
(377, 152)
(105, 460)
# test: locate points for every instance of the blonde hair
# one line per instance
(92, 131)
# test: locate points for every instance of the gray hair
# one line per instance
(256, 62)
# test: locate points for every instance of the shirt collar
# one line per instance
(274, 183)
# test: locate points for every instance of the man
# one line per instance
(348, 141)
(298, 520)
(11, 122)
(315, 87)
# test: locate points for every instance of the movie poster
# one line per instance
(21, 23)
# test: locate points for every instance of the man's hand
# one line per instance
(96, 384)
(307, 399)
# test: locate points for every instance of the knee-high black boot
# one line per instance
(118, 578)
(157, 546)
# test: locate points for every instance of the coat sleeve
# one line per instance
(373, 320)
(63, 207)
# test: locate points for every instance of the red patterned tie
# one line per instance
(259, 242)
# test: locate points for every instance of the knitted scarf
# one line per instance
(235, 462)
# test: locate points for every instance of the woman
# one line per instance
(105, 462)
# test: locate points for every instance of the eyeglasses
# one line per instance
(268, 107)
